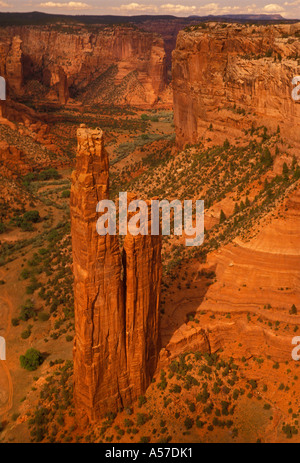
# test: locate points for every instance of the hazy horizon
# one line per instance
(287, 9)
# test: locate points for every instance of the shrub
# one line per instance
(26, 333)
(285, 169)
(43, 316)
(26, 226)
(192, 407)
(293, 310)
(188, 423)
(2, 228)
(141, 419)
(226, 144)
(49, 174)
(31, 216)
(31, 360)
(25, 274)
(266, 158)
(15, 322)
(27, 311)
(222, 216)
(176, 388)
(142, 400)
(66, 194)
(145, 440)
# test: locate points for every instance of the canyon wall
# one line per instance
(116, 309)
(121, 65)
(11, 66)
(231, 76)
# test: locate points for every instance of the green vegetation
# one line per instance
(31, 360)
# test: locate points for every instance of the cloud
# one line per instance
(4, 4)
(136, 7)
(215, 8)
(68, 5)
(178, 8)
(273, 8)
(209, 8)
(296, 3)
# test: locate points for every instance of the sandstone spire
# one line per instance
(116, 320)
(142, 263)
(99, 351)
(14, 66)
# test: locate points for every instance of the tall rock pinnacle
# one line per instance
(116, 317)
(99, 351)
(142, 261)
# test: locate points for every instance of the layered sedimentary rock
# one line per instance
(116, 315)
(13, 162)
(257, 282)
(233, 76)
(142, 262)
(108, 64)
(14, 66)
(11, 63)
(99, 352)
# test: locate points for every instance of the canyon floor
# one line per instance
(229, 307)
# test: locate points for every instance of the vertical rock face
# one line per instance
(112, 65)
(234, 76)
(59, 82)
(142, 261)
(99, 352)
(11, 65)
(116, 321)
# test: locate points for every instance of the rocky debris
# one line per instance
(12, 161)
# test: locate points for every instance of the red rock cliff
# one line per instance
(233, 75)
(142, 261)
(109, 64)
(99, 352)
(11, 63)
(116, 320)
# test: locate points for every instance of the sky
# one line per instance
(288, 9)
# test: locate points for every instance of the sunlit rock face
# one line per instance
(233, 76)
(112, 65)
(116, 308)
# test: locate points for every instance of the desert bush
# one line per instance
(31, 360)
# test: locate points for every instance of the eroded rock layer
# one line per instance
(120, 65)
(142, 258)
(257, 282)
(99, 352)
(116, 318)
(230, 76)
